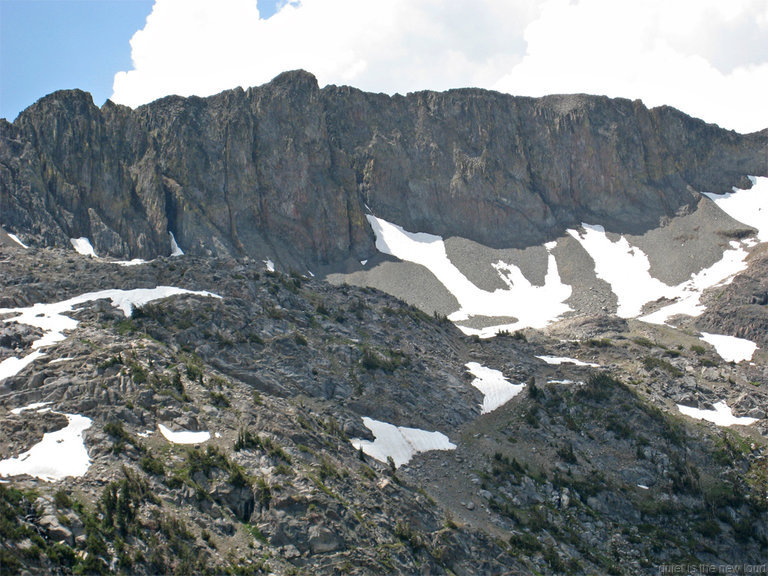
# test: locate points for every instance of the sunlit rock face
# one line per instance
(288, 170)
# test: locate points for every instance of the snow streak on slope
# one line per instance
(532, 306)
(134, 262)
(175, 250)
(52, 320)
(17, 240)
(721, 415)
(58, 455)
(557, 360)
(496, 389)
(730, 348)
(747, 206)
(39, 406)
(627, 269)
(398, 442)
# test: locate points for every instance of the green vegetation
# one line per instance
(387, 361)
(247, 441)
(651, 362)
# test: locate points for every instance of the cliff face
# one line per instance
(287, 169)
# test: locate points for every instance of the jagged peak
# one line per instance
(295, 77)
(74, 100)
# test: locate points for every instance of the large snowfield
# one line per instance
(624, 267)
(533, 306)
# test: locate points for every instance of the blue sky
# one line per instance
(709, 58)
(49, 45)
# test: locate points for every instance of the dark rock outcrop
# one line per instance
(285, 170)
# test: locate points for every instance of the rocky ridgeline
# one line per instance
(588, 470)
(287, 170)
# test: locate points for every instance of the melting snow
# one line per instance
(52, 320)
(175, 250)
(557, 360)
(134, 262)
(83, 246)
(624, 267)
(398, 442)
(183, 436)
(58, 455)
(627, 269)
(747, 206)
(721, 415)
(33, 406)
(496, 389)
(730, 348)
(532, 306)
(17, 240)
(13, 365)
(689, 293)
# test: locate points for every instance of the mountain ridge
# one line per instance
(536, 342)
(287, 170)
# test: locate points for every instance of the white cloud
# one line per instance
(662, 52)
(706, 57)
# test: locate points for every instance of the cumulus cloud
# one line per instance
(685, 54)
(706, 57)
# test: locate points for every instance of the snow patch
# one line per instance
(557, 360)
(398, 442)
(532, 306)
(13, 365)
(747, 206)
(134, 262)
(83, 246)
(496, 389)
(183, 436)
(175, 250)
(721, 415)
(58, 455)
(17, 240)
(33, 406)
(52, 320)
(730, 348)
(270, 265)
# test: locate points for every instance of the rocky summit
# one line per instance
(294, 330)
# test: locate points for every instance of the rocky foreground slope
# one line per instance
(216, 409)
(588, 469)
